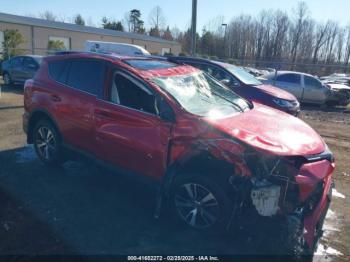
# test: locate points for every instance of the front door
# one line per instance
(314, 92)
(129, 132)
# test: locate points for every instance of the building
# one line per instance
(39, 32)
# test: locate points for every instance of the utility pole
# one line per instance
(194, 27)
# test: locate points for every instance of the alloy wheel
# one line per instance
(197, 205)
(45, 143)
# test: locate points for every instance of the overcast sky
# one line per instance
(177, 12)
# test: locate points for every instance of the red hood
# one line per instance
(271, 130)
(276, 92)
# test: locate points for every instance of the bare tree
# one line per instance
(300, 17)
(321, 37)
(347, 49)
(156, 18)
(48, 15)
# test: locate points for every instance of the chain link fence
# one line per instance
(317, 69)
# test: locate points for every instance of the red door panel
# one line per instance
(132, 139)
(73, 110)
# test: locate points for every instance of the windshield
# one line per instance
(201, 95)
(243, 75)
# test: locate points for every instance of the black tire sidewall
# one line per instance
(56, 159)
(225, 203)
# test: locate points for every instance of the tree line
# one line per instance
(275, 35)
(271, 36)
(132, 22)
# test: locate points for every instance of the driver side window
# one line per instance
(312, 82)
(130, 93)
(219, 74)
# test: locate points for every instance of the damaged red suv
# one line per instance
(220, 161)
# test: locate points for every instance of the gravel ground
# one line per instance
(84, 209)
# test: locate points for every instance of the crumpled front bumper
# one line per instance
(308, 204)
(313, 222)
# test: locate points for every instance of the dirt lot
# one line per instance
(84, 209)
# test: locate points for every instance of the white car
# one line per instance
(116, 48)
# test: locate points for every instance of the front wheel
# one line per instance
(200, 202)
(47, 142)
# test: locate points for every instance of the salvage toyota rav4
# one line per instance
(220, 161)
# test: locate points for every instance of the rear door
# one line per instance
(16, 71)
(314, 92)
(291, 83)
(77, 84)
(129, 131)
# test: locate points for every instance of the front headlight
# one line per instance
(284, 103)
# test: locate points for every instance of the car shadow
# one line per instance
(328, 109)
(22, 232)
(95, 211)
(13, 88)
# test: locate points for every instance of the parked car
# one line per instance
(218, 160)
(20, 68)
(340, 94)
(306, 88)
(117, 48)
(244, 84)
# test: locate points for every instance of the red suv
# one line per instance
(219, 161)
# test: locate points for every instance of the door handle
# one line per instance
(55, 98)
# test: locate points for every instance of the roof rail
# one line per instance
(67, 52)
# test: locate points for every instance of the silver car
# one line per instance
(306, 88)
(20, 68)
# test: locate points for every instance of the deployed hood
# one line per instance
(276, 92)
(338, 87)
(271, 130)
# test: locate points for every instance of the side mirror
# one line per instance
(165, 111)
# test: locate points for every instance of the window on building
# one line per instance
(59, 43)
(166, 51)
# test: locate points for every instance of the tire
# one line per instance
(47, 143)
(199, 202)
(7, 79)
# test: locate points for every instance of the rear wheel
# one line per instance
(7, 79)
(200, 202)
(47, 142)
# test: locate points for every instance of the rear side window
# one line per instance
(87, 75)
(58, 70)
(289, 78)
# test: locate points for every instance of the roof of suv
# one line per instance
(146, 66)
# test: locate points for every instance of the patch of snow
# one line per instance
(323, 250)
(25, 155)
(331, 214)
(335, 193)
